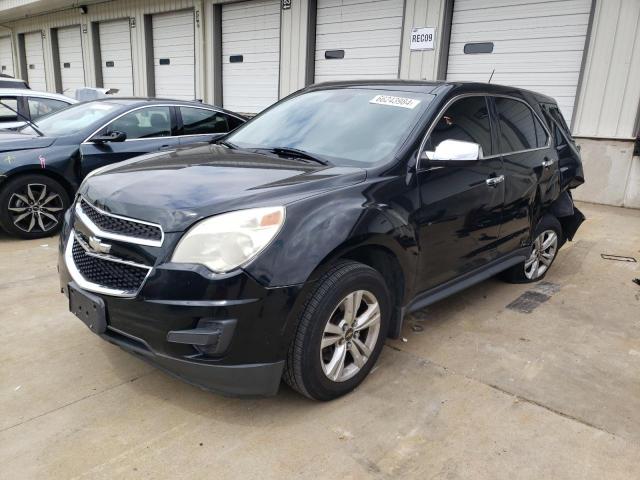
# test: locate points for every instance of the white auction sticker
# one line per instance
(395, 101)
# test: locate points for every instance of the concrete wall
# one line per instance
(612, 173)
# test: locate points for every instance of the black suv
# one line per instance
(298, 243)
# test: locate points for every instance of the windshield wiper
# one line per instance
(296, 153)
(29, 122)
(226, 144)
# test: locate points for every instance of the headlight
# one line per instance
(224, 242)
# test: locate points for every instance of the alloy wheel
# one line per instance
(35, 208)
(350, 336)
(544, 251)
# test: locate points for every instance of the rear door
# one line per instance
(199, 124)
(530, 168)
(148, 129)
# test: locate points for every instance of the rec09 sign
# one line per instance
(423, 38)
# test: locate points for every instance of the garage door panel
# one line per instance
(537, 45)
(371, 27)
(369, 33)
(269, 40)
(368, 53)
(356, 39)
(526, 11)
(534, 33)
(250, 30)
(260, 22)
(34, 53)
(548, 24)
(528, 46)
(380, 10)
(173, 40)
(6, 56)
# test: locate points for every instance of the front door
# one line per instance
(147, 129)
(461, 206)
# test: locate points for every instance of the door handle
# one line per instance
(494, 181)
(165, 147)
(547, 163)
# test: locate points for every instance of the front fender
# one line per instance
(325, 227)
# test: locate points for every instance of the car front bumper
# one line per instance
(223, 333)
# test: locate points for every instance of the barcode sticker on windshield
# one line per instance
(395, 101)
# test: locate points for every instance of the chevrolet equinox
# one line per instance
(292, 247)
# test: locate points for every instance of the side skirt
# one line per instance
(463, 282)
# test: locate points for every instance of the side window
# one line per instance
(467, 120)
(519, 128)
(41, 106)
(147, 122)
(197, 121)
(234, 122)
(6, 115)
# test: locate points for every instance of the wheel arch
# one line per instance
(51, 174)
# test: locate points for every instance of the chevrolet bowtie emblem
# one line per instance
(97, 246)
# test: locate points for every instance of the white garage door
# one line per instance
(173, 55)
(6, 56)
(115, 54)
(35, 61)
(71, 63)
(250, 55)
(537, 46)
(358, 39)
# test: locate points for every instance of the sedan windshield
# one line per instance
(74, 118)
(349, 126)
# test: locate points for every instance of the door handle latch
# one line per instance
(547, 163)
(493, 181)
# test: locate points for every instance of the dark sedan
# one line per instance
(42, 166)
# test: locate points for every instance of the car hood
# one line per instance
(178, 188)
(12, 141)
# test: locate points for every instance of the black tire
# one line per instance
(304, 368)
(40, 198)
(522, 272)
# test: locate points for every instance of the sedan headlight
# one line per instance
(224, 242)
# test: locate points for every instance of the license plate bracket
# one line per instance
(89, 308)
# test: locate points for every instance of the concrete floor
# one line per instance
(478, 389)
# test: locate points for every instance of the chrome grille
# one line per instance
(107, 272)
(111, 225)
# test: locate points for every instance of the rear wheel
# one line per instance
(32, 206)
(547, 241)
(341, 332)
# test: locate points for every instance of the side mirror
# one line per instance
(454, 153)
(110, 137)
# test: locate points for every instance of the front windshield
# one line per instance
(74, 118)
(347, 126)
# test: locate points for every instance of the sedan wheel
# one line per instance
(350, 336)
(544, 251)
(35, 208)
(32, 206)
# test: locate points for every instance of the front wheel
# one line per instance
(32, 206)
(547, 240)
(340, 333)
